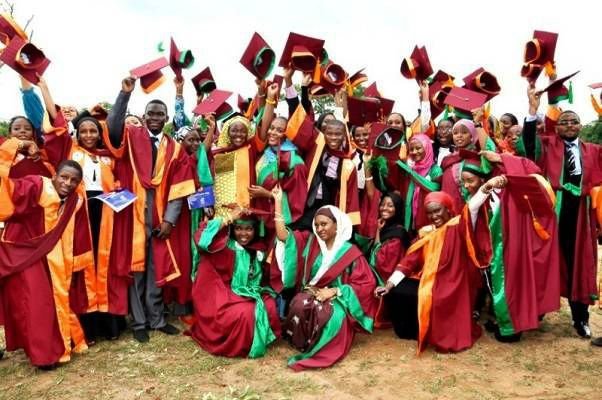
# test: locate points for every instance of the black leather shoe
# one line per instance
(169, 329)
(597, 341)
(582, 329)
(48, 367)
(141, 335)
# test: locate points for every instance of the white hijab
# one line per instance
(343, 234)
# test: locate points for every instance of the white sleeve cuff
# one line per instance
(396, 277)
(531, 118)
(291, 92)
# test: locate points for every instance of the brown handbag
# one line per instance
(305, 320)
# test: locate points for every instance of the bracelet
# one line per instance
(278, 219)
(369, 178)
(260, 95)
(270, 102)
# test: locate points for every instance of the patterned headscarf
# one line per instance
(224, 135)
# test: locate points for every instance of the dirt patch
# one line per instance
(550, 363)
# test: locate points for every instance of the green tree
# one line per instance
(3, 128)
(592, 132)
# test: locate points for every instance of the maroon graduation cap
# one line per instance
(482, 81)
(216, 103)
(417, 66)
(25, 58)
(301, 52)
(258, 58)
(9, 29)
(150, 74)
(465, 100)
(179, 59)
(203, 82)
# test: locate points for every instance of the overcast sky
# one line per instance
(93, 44)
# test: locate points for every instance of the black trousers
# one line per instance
(567, 234)
(402, 304)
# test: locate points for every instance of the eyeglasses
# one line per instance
(566, 122)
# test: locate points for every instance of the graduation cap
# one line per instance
(150, 74)
(9, 29)
(473, 163)
(372, 90)
(179, 59)
(277, 79)
(368, 109)
(258, 58)
(301, 52)
(557, 91)
(318, 90)
(531, 72)
(357, 78)
(418, 65)
(540, 50)
(216, 103)
(25, 58)
(388, 143)
(482, 81)
(440, 85)
(465, 100)
(332, 77)
(203, 82)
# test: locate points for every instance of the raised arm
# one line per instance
(32, 104)
(268, 112)
(48, 100)
(208, 142)
(529, 132)
(305, 101)
(179, 117)
(116, 118)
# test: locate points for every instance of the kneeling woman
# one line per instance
(334, 284)
(447, 254)
(235, 315)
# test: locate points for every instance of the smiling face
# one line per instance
(568, 126)
(21, 129)
(88, 135)
(513, 135)
(334, 135)
(437, 214)
(237, 133)
(461, 137)
(386, 209)
(191, 142)
(471, 182)
(396, 121)
(244, 233)
(69, 112)
(360, 136)
(416, 150)
(326, 229)
(155, 117)
(444, 133)
(276, 131)
(66, 180)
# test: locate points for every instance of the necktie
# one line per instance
(571, 162)
(154, 141)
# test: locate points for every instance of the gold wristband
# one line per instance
(270, 102)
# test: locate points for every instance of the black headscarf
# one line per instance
(394, 226)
